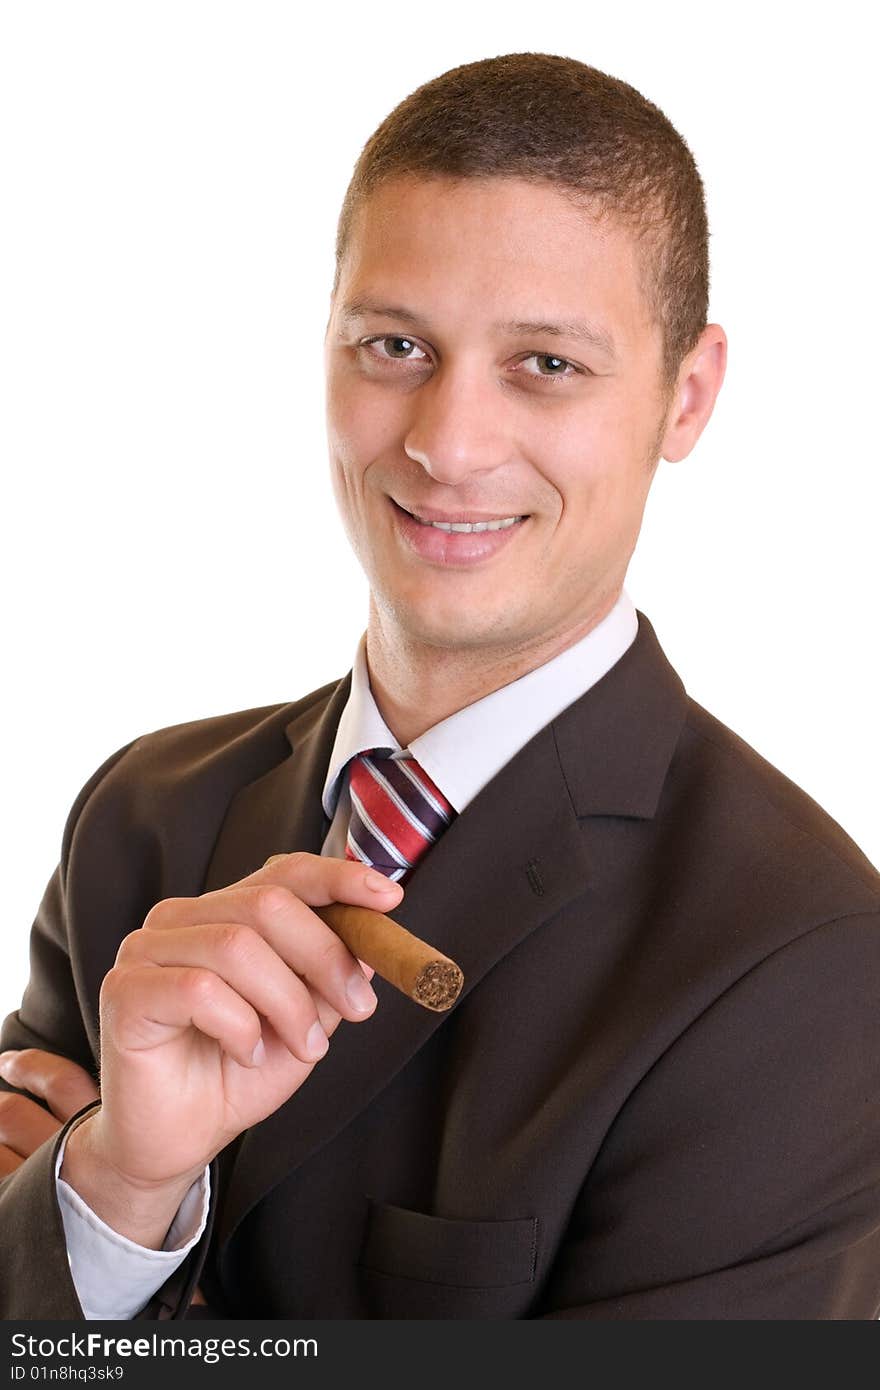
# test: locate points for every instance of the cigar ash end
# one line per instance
(438, 985)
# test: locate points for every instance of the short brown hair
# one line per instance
(544, 117)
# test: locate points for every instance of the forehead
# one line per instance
(501, 246)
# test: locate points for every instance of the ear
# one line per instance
(699, 382)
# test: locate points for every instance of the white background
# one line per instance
(171, 174)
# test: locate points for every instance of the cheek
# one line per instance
(361, 423)
(576, 459)
(358, 436)
(342, 441)
(590, 464)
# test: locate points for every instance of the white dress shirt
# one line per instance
(114, 1277)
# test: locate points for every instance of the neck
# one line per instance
(417, 684)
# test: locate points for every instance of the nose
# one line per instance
(458, 424)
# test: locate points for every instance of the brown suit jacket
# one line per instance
(657, 1097)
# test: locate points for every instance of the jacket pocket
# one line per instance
(456, 1255)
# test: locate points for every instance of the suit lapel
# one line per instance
(512, 859)
(282, 810)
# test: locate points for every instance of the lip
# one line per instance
(432, 514)
(452, 549)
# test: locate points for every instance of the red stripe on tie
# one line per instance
(377, 808)
(390, 820)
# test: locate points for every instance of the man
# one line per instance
(657, 1095)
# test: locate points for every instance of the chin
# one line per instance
(457, 630)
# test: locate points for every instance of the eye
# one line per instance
(550, 366)
(398, 349)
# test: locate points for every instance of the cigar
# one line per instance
(418, 970)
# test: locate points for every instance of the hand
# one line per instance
(194, 992)
(24, 1125)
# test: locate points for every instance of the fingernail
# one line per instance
(258, 1056)
(378, 882)
(317, 1041)
(360, 992)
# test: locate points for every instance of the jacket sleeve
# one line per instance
(50, 1015)
(742, 1178)
(35, 1278)
(114, 1277)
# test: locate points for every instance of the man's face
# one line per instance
(440, 402)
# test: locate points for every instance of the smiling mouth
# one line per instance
(464, 527)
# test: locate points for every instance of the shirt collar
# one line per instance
(465, 751)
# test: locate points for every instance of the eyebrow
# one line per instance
(573, 328)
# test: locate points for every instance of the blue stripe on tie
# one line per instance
(358, 809)
(356, 849)
(361, 857)
(416, 789)
(365, 848)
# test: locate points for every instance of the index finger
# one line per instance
(321, 879)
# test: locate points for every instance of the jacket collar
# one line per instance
(517, 855)
(464, 750)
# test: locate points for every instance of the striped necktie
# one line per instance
(397, 812)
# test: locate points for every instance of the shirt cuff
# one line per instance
(113, 1276)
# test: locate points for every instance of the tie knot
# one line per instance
(397, 812)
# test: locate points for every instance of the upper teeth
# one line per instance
(472, 525)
